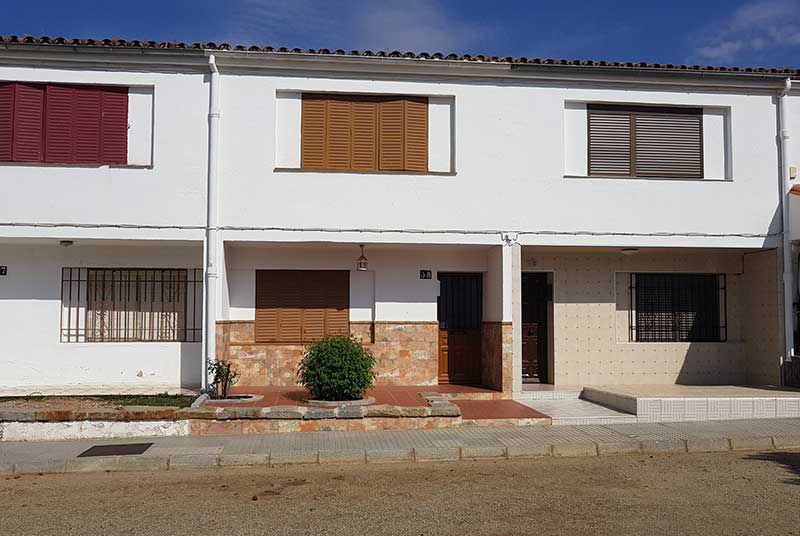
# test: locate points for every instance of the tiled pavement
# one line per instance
(578, 411)
(407, 445)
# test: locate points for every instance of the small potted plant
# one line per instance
(337, 369)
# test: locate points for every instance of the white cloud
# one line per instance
(418, 25)
(752, 30)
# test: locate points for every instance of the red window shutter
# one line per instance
(114, 126)
(27, 145)
(87, 116)
(59, 125)
(6, 121)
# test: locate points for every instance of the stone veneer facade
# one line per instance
(406, 352)
(496, 362)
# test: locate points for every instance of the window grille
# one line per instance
(678, 308)
(131, 305)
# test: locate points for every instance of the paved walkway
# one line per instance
(405, 445)
(578, 411)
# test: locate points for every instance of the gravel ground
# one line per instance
(723, 493)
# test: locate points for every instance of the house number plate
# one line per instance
(3, 270)
(425, 274)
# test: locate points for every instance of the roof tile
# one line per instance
(434, 56)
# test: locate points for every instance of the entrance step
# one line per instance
(578, 411)
(676, 403)
(499, 413)
(536, 391)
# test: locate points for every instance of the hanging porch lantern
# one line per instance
(361, 264)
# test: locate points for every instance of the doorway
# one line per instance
(537, 294)
(460, 308)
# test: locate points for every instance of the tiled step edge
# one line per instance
(428, 454)
(617, 401)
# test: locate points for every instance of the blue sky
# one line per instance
(710, 32)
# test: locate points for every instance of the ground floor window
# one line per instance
(300, 306)
(131, 305)
(677, 307)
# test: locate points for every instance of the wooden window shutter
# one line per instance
(267, 307)
(609, 143)
(59, 124)
(315, 287)
(28, 143)
(365, 134)
(278, 306)
(296, 306)
(114, 126)
(337, 133)
(337, 320)
(87, 116)
(668, 144)
(416, 134)
(391, 112)
(313, 129)
(6, 121)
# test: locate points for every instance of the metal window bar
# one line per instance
(677, 308)
(131, 304)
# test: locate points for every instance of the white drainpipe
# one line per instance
(212, 223)
(788, 280)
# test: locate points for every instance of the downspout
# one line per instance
(212, 224)
(788, 279)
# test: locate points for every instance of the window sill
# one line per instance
(674, 343)
(617, 177)
(355, 172)
(75, 166)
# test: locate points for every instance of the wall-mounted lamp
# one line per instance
(629, 251)
(65, 243)
(361, 264)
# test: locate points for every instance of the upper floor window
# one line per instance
(63, 124)
(364, 133)
(645, 141)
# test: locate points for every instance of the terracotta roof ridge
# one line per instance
(432, 56)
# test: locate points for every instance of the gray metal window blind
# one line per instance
(638, 141)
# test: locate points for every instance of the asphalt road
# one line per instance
(724, 493)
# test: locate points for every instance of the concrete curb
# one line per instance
(400, 455)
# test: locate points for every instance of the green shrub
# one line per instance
(224, 376)
(337, 368)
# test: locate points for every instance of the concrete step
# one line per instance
(530, 393)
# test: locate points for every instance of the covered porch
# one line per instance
(431, 314)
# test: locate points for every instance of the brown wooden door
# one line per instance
(460, 315)
(535, 297)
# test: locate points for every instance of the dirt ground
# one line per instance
(709, 494)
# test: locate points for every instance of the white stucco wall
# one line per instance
(510, 147)
(515, 146)
(165, 183)
(390, 291)
(34, 360)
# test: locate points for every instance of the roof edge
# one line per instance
(479, 59)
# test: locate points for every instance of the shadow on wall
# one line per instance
(191, 365)
(713, 363)
(790, 461)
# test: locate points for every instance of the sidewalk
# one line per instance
(404, 445)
